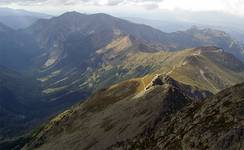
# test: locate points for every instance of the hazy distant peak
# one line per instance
(72, 14)
(20, 12)
(78, 14)
(18, 18)
(206, 30)
(4, 28)
(102, 15)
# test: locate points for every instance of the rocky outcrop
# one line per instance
(160, 80)
(192, 92)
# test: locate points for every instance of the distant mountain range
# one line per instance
(19, 19)
(171, 21)
(17, 49)
(71, 56)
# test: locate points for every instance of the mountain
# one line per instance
(172, 21)
(78, 48)
(75, 22)
(53, 32)
(19, 12)
(207, 37)
(208, 68)
(215, 123)
(70, 42)
(75, 55)
(166, 25)
(132, 105)
(19, 19)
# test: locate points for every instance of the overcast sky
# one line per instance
(138, 7)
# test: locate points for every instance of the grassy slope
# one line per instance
(194, 66)
(191, 66)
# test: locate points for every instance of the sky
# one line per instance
(137, 7)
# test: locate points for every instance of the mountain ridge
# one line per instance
(166, 96)
(173, 105)
(19, 19)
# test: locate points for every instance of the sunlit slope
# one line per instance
(209, 68)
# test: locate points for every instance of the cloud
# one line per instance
(94, 2)
(229, 6)
(22, 2)
(147, 4)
